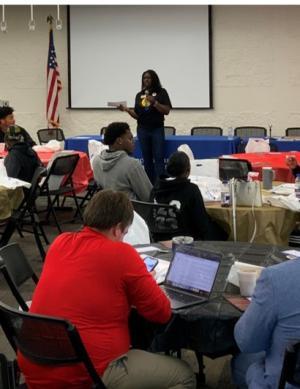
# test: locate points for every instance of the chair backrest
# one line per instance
(206, 131)
(46, 340)
(292, 131)
(233, 168)
(62, 166)
(290, 372)
(169, 130)
(33, 191)
(46, 134)
(250, 132)
(163, 220)
(16, 270)
(102, 131)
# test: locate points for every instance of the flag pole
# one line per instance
(50, 22)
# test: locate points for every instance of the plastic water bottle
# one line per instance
(297, 187)
(230, 133)
(225, 194)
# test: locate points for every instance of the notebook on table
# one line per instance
(191, 276)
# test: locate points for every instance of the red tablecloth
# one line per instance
(274, 160)
(82, 174)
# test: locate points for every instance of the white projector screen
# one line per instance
(111, 46)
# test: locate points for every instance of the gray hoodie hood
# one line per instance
(110, 158)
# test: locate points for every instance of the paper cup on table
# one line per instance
(247, 282)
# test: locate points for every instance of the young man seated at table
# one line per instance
(6, 120)
(93, 279)
(21, 160)
(177, 189)
(116, 169)
(270, 323)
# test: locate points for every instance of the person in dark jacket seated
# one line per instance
(21, 161)
(176, 189)
(7, 120)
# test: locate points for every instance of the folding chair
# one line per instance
(58, 182)
(163, 220)
(16, 270)
(206, 131)
(292, 131)
(26, 215)
(46, 340)
(47, 134)
(250, 132)
(169, 130)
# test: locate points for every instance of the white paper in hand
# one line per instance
(116, 103)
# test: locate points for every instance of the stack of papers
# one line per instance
(284, 189)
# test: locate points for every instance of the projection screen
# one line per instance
(110, 47)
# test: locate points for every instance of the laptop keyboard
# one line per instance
(181, 297)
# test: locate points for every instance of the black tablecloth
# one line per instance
(207, 327)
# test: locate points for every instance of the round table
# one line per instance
(208, 327)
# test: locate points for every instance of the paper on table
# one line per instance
(233, 275)
(116, 103)
(161, 270)
(292, 254)
(13, 183)
(146, 249)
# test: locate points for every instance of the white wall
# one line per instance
(256, 71)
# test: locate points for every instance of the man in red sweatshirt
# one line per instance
(93, 279)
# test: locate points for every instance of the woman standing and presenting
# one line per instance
(151, 104)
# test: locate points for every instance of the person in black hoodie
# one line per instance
(21, 160)
(176, 189)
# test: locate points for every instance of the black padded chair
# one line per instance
(47, 134)
(290, 372)
(292, 131)
(206, 131)
(169, 130)
(25, 218)
(46, 340)
(163, 220)
(16, 270)
(58, 182)
(250, 132)
(102, 131)
(234, 168)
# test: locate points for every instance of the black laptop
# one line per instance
(191, 276)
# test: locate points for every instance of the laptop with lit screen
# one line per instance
(191, 276)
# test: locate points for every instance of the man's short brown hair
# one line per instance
(108, 208)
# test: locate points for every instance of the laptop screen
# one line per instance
(191, 272)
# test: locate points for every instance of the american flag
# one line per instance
(54, 85)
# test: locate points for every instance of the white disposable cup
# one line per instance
(247, 282)
(2, 147)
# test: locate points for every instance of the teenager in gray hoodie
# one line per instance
(116, 169)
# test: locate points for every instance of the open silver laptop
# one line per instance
(191, 276)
